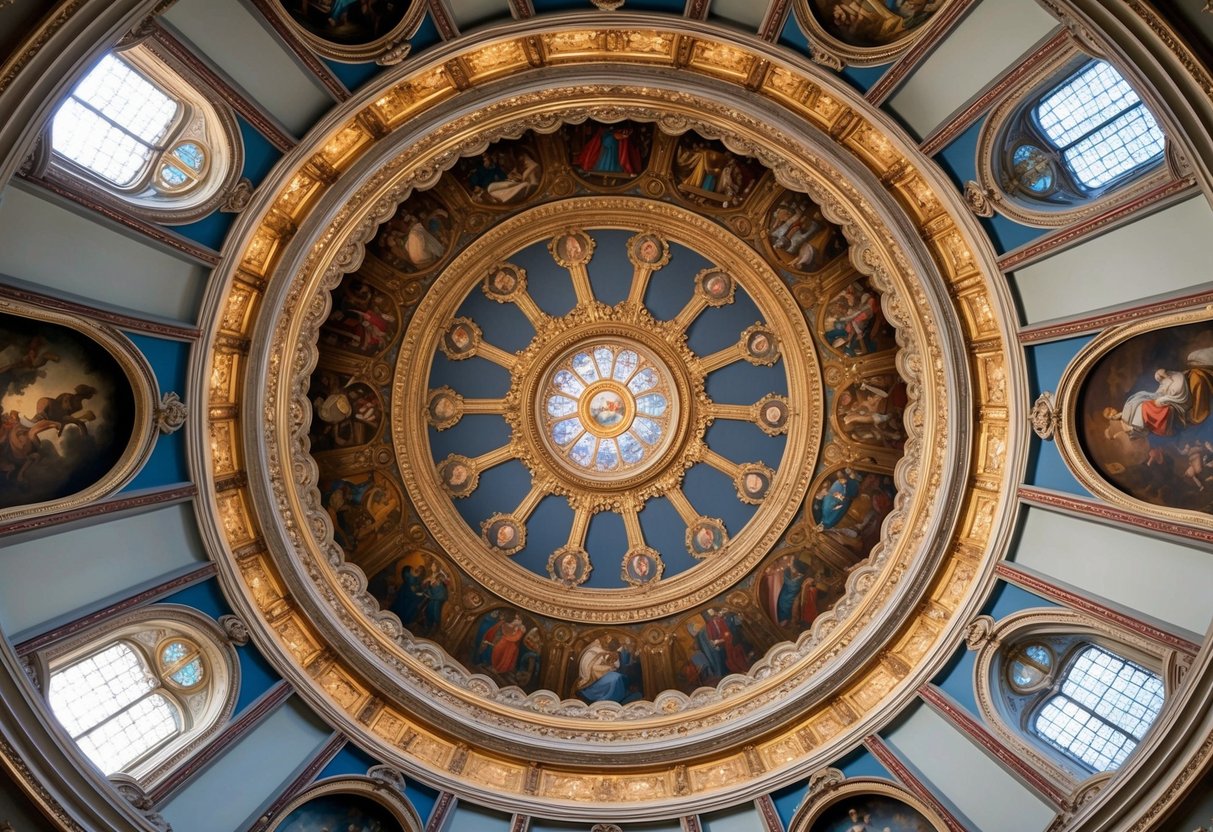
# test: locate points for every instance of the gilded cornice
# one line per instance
(943, 532)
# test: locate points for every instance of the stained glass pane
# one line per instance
(191, 154)
(583, 451)
(643, 380)
(565, 432)
(171, 176)
(561, 406)
(1039, 654)
(190, 675)
(607, 458)
(648, 430)
(654, 404)
(566, 382)
(131, 734)
(173, 653)
(1025, 675)
(1033, 168)
(86, 693)
(605, 359)
(584, 365)
(631, 450)
(1130, 141)
(625, 365)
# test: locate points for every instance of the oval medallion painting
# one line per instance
(870, 23)
(340, 813)
(1144, 416)
(871, 812)
(63, 403)
(348, 22)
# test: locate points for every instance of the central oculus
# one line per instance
(606, 406)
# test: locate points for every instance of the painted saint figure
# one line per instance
(612, 149)
(608, 671)
(1180, 400)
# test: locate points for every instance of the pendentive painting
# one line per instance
(506, 645)
(417, 586)
(1143, 416)
(66, 410)
(344, 812)
(347, 22)
(873, 23)
(871, 812)
(507, 172)
(709, 174)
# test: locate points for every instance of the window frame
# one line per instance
(201, 119)
(1013, 124)
(203, 710)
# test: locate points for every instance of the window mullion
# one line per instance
(112, 123)
(1100, 126)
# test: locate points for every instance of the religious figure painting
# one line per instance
(365, 508)
(506, 173)
(709, 174)
(849, 505)
(871, 813)
(345, 413)
(793, 590)
(417, 236)
(800, 236)
(347, 22)
(609, 153)
(417, 587)
(854, 324)
(608, 670)
(868, 23)
(66, 408)
(344, 812)
(507, 645)
(712, 644)
(363, 320)
(1144, 416)
(869, 411)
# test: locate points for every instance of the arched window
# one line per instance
(137, 696)
(1098, 708)
(138, 131)
(1069, 136)
(1068, 693)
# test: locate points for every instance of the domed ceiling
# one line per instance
(575, 407)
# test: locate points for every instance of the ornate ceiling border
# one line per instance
(876, 685)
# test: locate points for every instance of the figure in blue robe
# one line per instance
(830, 507)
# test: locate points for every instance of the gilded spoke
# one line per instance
(690, 312)
(525, 508)
(682, 505)
(526, 304)
(640, 284)
(581, 525)
(497, 355)
(725, 466)
(491, 407)
(737, 412)
(723, 358)
(631, 524)
(494, 457)
(581, 285)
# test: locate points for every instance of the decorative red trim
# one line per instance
(118, 319)
(301, 51)
(696, 10)
(691, 823)
(953, 713)
(1042, 587)
(939, 28)
(881, 751)
(164, 496)
(260, 118)
(938, 139)
(1094, 323)
(773, 21)
(1170, 191)
(321, 759)
(438, 815)
(158, 233)
(1088, 507)
(522, 9)
(234, 731)
(443, 20)
(520, 823)
(771, 821)
(32, 645)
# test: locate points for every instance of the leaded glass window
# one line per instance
(1099, 125)
(110, 702)
(1101, 709)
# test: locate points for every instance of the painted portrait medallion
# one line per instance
(869, 23)
(64, 402)
(1143, 416)
(347, 22)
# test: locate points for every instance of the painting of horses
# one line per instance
(66, 410)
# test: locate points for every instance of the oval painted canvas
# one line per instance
(1143, 416)
(66, 411)
(865, 812)
(344, 812)
(348, 22)
(870, 23)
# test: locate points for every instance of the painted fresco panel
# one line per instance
(871, 23)
(66, 411)
(344, 812)
(347, 22)
(863, 812)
